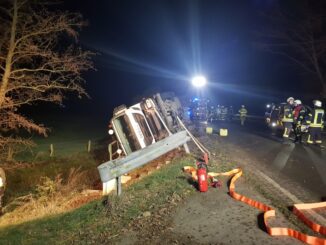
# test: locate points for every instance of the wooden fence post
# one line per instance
(51, 150)
(89, 146)
(110, 151)
(10, 153)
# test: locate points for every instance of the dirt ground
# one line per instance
(208, 218)
(214, 217)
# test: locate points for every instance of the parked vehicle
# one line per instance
(199, 110)
(273, 115)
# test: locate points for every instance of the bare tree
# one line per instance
(299, 34)
(38, 62)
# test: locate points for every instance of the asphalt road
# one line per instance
(299, 168)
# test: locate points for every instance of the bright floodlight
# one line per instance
(199, 81)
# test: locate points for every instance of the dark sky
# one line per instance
(149, 46)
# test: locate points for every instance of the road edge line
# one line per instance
(292, 197)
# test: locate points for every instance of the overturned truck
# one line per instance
(143, 132)
(147, 122)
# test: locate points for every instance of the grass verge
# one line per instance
(22, 181)
(101, 221)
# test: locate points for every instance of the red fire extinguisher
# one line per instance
(202, 177)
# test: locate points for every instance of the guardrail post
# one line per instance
(186, 147)
(114, 169)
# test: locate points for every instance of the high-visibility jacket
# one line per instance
(316, 118)
(287, 114)
(299, 113)
(243, 112)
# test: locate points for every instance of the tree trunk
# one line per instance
(6, 75)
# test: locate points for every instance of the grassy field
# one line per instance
(101, 221)
(22, 181)
(69, 135)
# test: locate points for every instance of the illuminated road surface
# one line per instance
(298, 167)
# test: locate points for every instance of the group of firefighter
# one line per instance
(226, 113)
(201, 110)
(296, 115)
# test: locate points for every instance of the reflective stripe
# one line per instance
(318, 118)
(243, 111)
(309, 141)
(286, 133)
(288, 114)
(287, 120)
(316, 126)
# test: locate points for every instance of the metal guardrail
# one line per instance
(118, 167)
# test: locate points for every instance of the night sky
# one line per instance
(152, 46)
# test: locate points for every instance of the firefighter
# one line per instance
(218, 112)
(231, 113)
(316, 123)
(243, 114)
(224, 113)
(287, 118)
(299, 114)
(2, 187)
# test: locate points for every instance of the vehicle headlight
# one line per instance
(273, 124)
(111, 131)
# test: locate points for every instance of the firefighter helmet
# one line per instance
(297, 102)
(317, 103)
(290, 99)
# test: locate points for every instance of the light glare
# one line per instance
(199, 81)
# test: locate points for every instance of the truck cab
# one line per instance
(140, 125)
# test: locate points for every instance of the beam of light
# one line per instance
(242, 90)
(130, 64)
(195, 36)
(175, 37)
